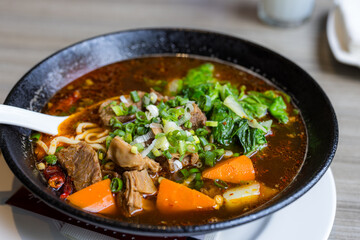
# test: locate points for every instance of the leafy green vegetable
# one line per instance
(251, 139)
(228, 90)
(274, 102)
(226, 119)
(253, 107)
(278, 110)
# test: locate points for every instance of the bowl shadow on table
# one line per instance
(326, 59)
(21, 218)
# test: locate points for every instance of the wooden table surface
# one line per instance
(32, 30)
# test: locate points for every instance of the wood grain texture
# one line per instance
(32, 30)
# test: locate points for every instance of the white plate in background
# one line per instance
(337, 39)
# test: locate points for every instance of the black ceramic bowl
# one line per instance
(41, 82)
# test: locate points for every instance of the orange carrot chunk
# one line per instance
(175, 198)
(96, 198)
(232, 170)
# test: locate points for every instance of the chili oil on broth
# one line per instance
(276, 165)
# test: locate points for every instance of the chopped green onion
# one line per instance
(197, 140)
(167, 154)
(185, 173)
(153, 97)
(135, 96)
(58, 149)
(119, 133)
(35, 136)
(182, 147)
(191, 148)
(162, 143)
(210, 158)
(198, 176)
(115, 123)
(221, 184)
(201, 132)
(171, 103)
(219, 152)
(120, 110)
(156, 152)
(51, 159)
(139, 146)
(172, 149)
(129, 128)
(151, 155)
(134, 150)
(203, 141)
(190, 139)
(101, 154)
(160, 135)
(179, 134)
(116, 185)
(141, 130)
(146, 100)
(140, 116)
(194, 170)
(188, 124)
(106, 177)
(132, 109)
(236, 154)
(108, 139)
(211, 123)
(128, 137)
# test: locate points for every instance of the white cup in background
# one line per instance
(285, 13)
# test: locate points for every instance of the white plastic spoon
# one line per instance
(29, 119)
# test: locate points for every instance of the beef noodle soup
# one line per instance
(171, 141)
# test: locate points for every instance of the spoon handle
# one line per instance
(29, 119)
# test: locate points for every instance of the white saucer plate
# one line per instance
(337, 39)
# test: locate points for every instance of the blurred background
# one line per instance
(32, 30)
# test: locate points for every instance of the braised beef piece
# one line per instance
(106, 112)
(120, 152)
(189, 159)
(137, 183)
(198, 118)
(81, 163)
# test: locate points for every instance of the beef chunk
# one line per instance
(189, 159)
(106, 112)
(137, 183)
(120, 152)
(198, 118)
(81, 163)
